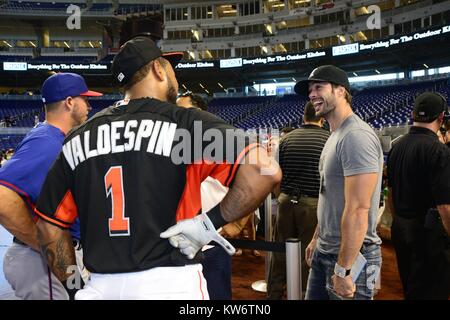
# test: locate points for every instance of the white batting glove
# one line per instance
(191, 235)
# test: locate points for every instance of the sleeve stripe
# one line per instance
(20, 192)
(50, 220)
(67, 209)
(238, 160)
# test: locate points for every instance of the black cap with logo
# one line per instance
(428, 106)
(135, 54)
(327, 73)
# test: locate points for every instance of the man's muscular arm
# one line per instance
(16, 218)
(57, 249)
(255, 179)
(251, 186)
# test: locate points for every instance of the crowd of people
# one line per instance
(130, 203)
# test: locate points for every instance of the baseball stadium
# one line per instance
(225, 150)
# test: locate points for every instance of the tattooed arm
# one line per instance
(57, 249)
(254, 180)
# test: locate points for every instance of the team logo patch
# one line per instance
(120, 77)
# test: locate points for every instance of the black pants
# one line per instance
(217, 272)
(293, 221)
(423, 258)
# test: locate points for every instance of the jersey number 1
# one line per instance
(118, 224)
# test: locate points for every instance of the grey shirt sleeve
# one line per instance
(359, 153)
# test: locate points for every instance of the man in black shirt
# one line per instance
(419, 185)
(299, 156)
(123, 174)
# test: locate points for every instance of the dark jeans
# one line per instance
(320, 286)
(423, 258)
(293, 221)
(217, 272)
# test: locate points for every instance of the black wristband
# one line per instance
(216, 217)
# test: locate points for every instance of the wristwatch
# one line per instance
(340, 271)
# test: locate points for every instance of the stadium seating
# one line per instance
(10, 141)
(380, 107)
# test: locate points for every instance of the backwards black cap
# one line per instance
(135, 54)
(327, 73)
(428, 106)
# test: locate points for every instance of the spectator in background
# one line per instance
(419, 189)
(297, 212)
(191, 100)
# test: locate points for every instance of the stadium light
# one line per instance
(201, 85)
(377, 71)
(7, 43)
(355, 74)
(90, 43)
(66, 44)
(183, 86)
(220, 85)
(31, 42)
(293, 79)
(425, 65)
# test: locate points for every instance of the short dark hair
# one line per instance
(197, 101)
(309, 115)
(348, 96)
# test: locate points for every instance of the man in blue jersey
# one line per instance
(66, 106)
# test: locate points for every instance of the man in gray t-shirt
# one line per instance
(353, 149)
(350, 169)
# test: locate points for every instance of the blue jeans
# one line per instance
(320, 286)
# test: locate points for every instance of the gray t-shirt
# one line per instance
(352, 149)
